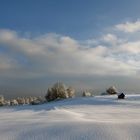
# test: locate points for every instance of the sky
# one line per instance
(87, 44)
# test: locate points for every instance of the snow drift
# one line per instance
(89, 118)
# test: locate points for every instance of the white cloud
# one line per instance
(129, 27)
(6, 35)
(130, 47)
(110, 38)
(53, 54)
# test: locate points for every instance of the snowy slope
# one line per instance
(91, 118)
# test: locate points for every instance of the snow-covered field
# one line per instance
(90, 118)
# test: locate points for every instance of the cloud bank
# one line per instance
(54, 55)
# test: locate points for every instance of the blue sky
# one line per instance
(80, 19)
(84, 43)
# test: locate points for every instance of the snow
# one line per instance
(85, 118)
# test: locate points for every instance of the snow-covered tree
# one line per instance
(7, 102)
(13, 102)
(86, 94)
(111, 90)
(59, 91)
(21, 101)
(71, 92)
(26, 100)
(1, 100)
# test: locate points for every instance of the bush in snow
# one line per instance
(112, 90)
(86, 94)
(1, 103)
(1, 100)
(26, 100)
(41, 99)
(7, 102)
(13, 102)
(59, 91)
(37, 101)
(71, 92)
(21, 101)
